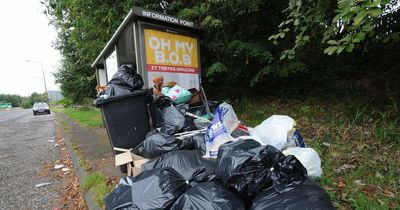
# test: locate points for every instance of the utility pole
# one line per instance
(44, 78)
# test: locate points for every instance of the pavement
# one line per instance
(93, 145)
(24, 149)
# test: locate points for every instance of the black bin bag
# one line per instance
(189, 122)
(157, 143)
(173, 120)
(308, 195)
(208, 196)
(185, 162)
(154, 189)
(124, 81)
(246, 168)
(198, 141)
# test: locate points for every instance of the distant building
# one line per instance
(54, 95)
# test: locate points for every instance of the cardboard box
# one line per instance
(134, 162)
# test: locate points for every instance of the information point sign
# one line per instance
(173, 57)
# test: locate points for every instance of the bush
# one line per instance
(66, 102)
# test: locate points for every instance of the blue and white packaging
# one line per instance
(218, 132)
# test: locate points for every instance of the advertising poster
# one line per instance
(172, 57)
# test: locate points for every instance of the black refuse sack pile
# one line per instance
(246, 167)
(308, 195)
(186, 162)
(245, 175)
(155, 189)
(208, 195)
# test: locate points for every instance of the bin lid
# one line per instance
(101, 101)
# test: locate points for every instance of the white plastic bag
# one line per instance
(308, 157)
(218, 132)
(274, 131)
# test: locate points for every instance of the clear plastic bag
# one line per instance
(218, 132)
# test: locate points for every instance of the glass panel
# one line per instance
(111, 65)
(126, 48)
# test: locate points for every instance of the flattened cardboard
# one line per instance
(138, 161)
(123, 158)
(136, 171)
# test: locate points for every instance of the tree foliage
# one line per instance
(22, 101)
(248, 45)
(15, 100)
(339, 25)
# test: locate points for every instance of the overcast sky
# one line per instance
(26, 35)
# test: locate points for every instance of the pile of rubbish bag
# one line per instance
(221, 164)
(202, 160)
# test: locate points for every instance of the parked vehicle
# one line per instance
(40, 108)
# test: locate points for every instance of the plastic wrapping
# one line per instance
(159, 143)
(296, 140)
(308, 157)
(178, 94)
(246, 168)
(154, 189)
(218, 132)
(209, 196)
(185, 162)
(308, 195)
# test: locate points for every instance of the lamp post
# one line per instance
(44, 78)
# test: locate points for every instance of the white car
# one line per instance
(40, 108)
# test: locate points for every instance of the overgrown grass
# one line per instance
(88, 117)
(100, 186)
(358, 144)
(82, 162)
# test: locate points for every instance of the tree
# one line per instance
(15, 100)
(249, 47)
(235, 51)
(234, 41)
(340, 25)
(37, 97)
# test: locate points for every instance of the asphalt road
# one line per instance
(24, 150)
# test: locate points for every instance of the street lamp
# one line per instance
(44, 78)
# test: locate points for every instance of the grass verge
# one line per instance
(88, 117)
(358, 144)
(100, 186)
